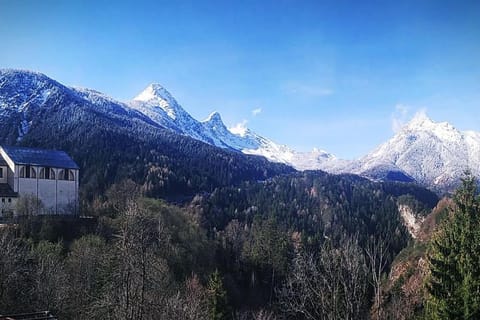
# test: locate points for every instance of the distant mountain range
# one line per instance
(112, 141)
(432, 154)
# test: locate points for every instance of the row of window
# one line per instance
(46, 173)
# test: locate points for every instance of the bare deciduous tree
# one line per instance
(13, 267)
(86, 265)
(29, 205)
(122, 194)
(377, 256)
(332, 285)
(261, 314)
(49, 277)
(140, 281)
(191, 303)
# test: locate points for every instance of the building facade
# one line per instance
(47, 178)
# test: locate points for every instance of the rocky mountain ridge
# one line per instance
(433, 154)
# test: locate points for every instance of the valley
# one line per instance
(200, 213)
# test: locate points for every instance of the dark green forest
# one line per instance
(296, 246)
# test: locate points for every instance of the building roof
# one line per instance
(40, 157)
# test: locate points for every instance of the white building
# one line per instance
(47, 175)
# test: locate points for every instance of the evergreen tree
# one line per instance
(267, 249)
(218, 307)
(454, 259)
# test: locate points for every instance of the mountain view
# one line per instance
(432, 154)
(239, 161)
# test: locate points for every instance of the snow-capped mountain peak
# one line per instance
(214, 118)
(441, 130)
(154, 91)
(433, 153)
(419, 120)
(160, 106)
(157, 96)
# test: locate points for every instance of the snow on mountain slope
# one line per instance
(247, 142)
(106, 103)
(318, 160)
(30, 99)
(472, 139)
(29, 88)
(159, 105)
(25, 94)
(157, 96)
(434, 154)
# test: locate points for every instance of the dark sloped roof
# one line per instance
(40, 157)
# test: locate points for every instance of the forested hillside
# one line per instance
(246, 238)
(258, 249)
(436, 276)
(304, 211)
(111, 142)
(163, 163)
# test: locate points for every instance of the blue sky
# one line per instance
(329, 74)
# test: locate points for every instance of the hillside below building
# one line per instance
(48, 176)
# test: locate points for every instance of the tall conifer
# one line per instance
(454, 259)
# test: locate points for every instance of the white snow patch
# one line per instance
(43, 96)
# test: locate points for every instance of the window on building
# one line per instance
(71, 175)
(47, 173)
(3, 200)
(9, 200)
(66, 174)
(33, 173)
(61, 175)
(1, 172)
(28, 172)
